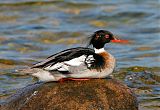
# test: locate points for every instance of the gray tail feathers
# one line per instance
(29, 71)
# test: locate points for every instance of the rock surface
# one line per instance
(95, 94)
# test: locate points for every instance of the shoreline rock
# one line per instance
(94, 94)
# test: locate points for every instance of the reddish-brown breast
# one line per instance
(107, 58)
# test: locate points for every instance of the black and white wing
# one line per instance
(71, 57)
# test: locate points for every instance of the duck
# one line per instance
(79, 63)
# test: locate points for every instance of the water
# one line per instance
(31, 30)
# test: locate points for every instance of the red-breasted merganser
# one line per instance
(78, 63)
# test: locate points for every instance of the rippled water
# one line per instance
(31, 30)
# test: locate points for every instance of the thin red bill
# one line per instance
(119, 41)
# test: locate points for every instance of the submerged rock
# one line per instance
(95, 94)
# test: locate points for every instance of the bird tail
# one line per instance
(41, 74)
(28, 71)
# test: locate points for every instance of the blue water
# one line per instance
(31, 30)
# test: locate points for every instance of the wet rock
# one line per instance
(95, 94)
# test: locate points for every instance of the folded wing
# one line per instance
(70, 57)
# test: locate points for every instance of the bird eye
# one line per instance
(107, 36)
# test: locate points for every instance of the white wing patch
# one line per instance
(76, 61)
(64, 66)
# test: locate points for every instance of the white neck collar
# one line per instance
(99, 50)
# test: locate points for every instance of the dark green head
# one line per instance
(100, 38)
